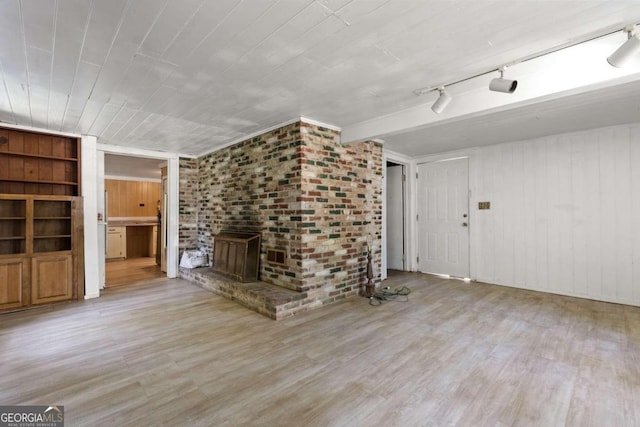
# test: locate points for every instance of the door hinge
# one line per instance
(417, 217)
(416, 175)
(418, 259)
(404, 177)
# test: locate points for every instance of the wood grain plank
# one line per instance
(59, 146)
(579, 227)
(31, 143)
(542, 216)
(45, 145)
(164, 351)
(16, 141)
(607, 226)
(4, 167)
(59, 171)
(16, 168)
(130, 271)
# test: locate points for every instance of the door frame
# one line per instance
(409, 189)
(473, 199)
(172, 196)
(402, 215)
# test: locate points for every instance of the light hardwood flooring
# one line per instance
(132, 270)
(166, 352)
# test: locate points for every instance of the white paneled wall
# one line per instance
(565, 214)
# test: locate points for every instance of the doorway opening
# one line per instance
(395, 216)
(135, 229)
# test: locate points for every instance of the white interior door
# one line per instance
(443, 217)
(395, 217)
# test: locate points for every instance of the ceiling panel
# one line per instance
(190, 75)
(85, 77)
(204, 22)
(103, 25)
(6, 110)
(171, 21)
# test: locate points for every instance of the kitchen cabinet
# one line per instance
(132, 198)
(116, 242)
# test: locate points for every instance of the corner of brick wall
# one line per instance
(188, 204)
(341, 212)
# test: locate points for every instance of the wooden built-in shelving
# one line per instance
(40, 238)
(37, 163)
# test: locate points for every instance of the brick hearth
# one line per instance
(264, 298)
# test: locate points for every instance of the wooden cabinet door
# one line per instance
(116, 243)
(14, 292)
(51, 278)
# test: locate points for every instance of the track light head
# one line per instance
(441, 103)
(624, 53)
(501, 84)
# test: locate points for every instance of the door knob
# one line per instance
(464, 224)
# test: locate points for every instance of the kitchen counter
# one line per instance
(138, 235)
(132, 222)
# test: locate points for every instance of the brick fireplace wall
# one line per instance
(341, 212)
(188, 204)
(317, 199)
(254, 186)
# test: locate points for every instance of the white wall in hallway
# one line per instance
(564, 214)
(395, 217)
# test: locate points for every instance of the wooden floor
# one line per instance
(132, 270)
(169, 353)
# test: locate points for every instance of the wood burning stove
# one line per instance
(237, 255)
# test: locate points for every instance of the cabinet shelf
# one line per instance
(53, 236)
(12, 237)
(38, 181)
(38, 156)
(47, 218)
(13, 218)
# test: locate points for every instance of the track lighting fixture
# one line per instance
(624, 53)
(503, 85)
(620, 57)
(441, 103)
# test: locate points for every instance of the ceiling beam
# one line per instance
(576, 69)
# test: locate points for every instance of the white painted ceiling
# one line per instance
(188, 76)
